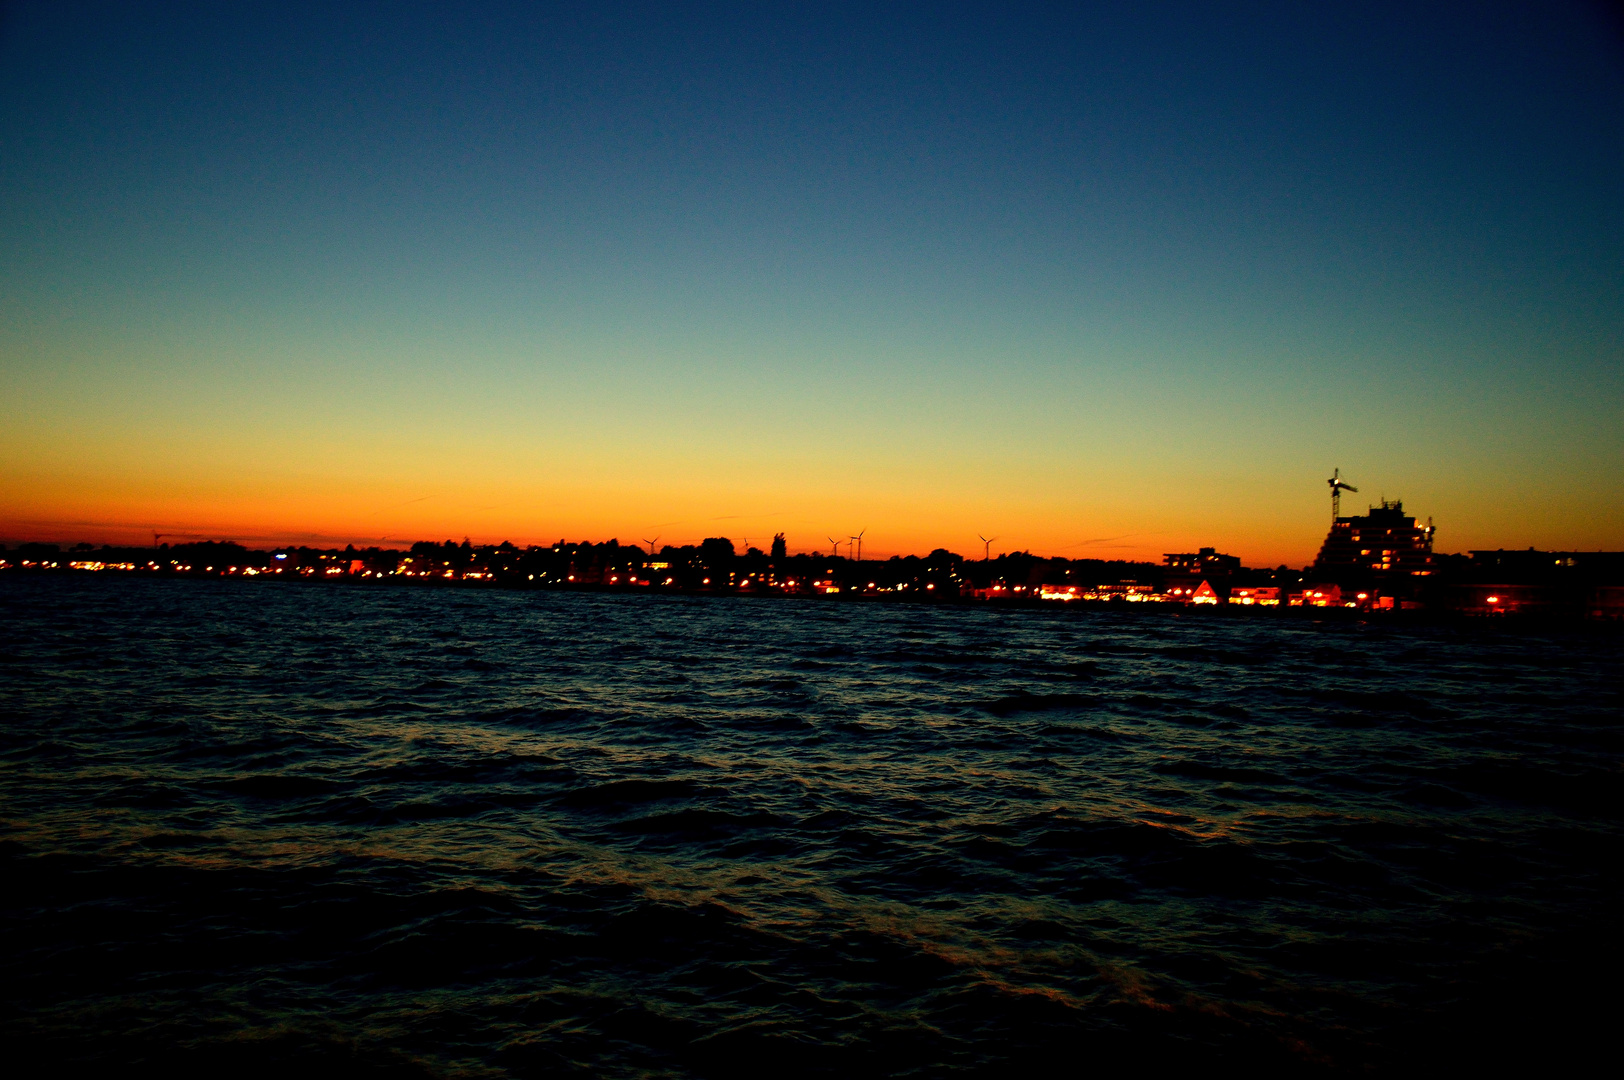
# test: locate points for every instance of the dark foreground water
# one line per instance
(271, 829)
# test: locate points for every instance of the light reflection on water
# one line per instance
(519, 832)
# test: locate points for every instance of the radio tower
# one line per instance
(1338, 486)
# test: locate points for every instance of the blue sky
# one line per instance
(1101, 282)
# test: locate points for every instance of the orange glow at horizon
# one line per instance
(268, 511)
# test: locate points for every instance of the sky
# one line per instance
(1101, 283)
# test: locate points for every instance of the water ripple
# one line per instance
(256, 827)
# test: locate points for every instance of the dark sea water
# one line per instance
(274, 829)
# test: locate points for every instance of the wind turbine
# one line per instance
(1338, 486)
(859, 539)
(986, 546)
(834, 552)
(651, 544)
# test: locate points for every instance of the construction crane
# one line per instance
(1338, 486)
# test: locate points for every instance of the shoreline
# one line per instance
(1385, 617)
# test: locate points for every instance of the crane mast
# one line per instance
(1338, 486)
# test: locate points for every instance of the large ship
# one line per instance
(1385, 543)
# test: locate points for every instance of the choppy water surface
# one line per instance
(265, 827)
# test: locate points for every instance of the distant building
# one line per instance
(1563, 584)
(1532, 565)
(1383, 543)
(1258, 595)
(1316, 596)
(1206, 563)
(1186, 572)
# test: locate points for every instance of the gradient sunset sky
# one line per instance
(1103, 283)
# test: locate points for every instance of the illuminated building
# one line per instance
(1317, 596)
(1131, 591)
(1187, 572)
(1385, 542)
(1206, 563)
